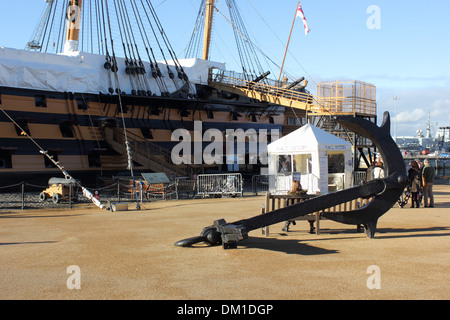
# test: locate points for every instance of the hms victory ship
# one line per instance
(99, 88)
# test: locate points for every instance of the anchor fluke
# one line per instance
(231, 234)
(209, 236)
(221, 233)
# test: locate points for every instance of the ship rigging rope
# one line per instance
(193, 47)
(132, 19)
(242, 39)
(114, 70)
(68, 177)
(119, 93)
(247, 49)
(101, 14)
(283, 44)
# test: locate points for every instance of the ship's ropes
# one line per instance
(68, 177)
(249, 53)
(129, 29)
(131, 26)
(194, 47)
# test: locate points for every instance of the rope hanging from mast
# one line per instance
(119, 92)
(249, 58)
(194, 46)
(86, 21)
(115, 29)
(67, 176)
(248, 52)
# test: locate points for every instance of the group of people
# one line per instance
(421, 180)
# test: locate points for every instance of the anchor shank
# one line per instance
(312, 205)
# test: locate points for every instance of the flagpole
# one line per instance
(289, 40)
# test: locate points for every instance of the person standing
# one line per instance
(415, 183)
(420, 164)
(378, 171)
(428, 174)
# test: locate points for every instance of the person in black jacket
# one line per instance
(428, 175)
(415, 184)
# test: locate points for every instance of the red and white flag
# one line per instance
(302, 16)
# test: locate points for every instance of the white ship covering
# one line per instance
(85, 73)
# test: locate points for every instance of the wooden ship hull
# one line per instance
(83, 107)
(84, 132)
(98, 113)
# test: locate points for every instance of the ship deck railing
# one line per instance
(334, 102)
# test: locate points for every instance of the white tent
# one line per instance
(320, 161)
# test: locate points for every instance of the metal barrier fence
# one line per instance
(220, 184)
(23, 195)
(260, 184)
(19, 196)
(28, 196)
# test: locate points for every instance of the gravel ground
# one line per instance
(130, 255)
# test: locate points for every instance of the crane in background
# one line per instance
(34, 43)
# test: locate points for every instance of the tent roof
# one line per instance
(308, 138)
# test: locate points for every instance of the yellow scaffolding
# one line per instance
(347, 97)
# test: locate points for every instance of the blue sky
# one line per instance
(406, 57)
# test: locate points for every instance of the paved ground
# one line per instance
(130, 255)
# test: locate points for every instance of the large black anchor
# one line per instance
(384, 193)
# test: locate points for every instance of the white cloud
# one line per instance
(406, 82)
(418, 97)
(414, 106)
(440, 109)
(411, 116)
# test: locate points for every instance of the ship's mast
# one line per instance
(429, 126)
(208, 28)
(73, 26)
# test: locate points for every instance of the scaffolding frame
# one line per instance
(347, 97)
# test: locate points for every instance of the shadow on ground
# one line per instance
(288, 246)
(25, 243)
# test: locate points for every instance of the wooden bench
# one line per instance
(275, 202)
(158, 189)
